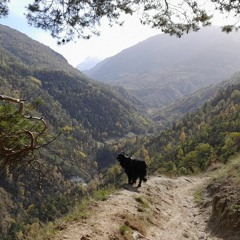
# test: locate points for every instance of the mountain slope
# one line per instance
(101, 109)
(29, 51)
(202, 138)
(162, 68)
(84, 111)
(173, 112)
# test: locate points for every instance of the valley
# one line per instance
(180, 135)
(162, 69)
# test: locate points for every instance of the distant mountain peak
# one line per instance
(88, 63)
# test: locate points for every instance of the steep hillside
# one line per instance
(154, 211)
(104, 111)
(166, 116)
(162, 69)
(40, 186)
(207, 136)
(87, 113)
(30, 52)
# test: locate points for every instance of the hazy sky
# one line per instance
(111, 41)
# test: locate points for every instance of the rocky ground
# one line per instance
(162, 209)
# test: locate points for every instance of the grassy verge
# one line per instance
(223, 196)
(81, 210)
(230, 170)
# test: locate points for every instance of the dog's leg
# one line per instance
(134, 178)
(140, 182)
(132, 181)
(129, 179)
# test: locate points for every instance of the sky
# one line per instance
(111, 41)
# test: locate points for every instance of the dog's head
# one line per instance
(121, 157)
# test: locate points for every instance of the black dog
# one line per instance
(134, 168)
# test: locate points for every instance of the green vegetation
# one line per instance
(232, 168)
(103, 194)
(224, 189)
(82, 111)
(95, 122)
(236, 209)
(81, 210)
(202, 138)
(133, 223)
(67, 21)
(159, 80)
(143, 204)
(198, 196)
(126, 231)
(32, 70)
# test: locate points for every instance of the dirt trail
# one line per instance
(162, 209)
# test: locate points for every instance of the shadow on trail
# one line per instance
(130, 188)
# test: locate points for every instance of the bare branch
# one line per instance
(14, 100)
(19, 145)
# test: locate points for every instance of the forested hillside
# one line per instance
(166, 116)
(197, 141)
(204, 140)
(38, 184)
(161, 69)
(100, 109)
(203, 144)
(201, 139)
(87, 123)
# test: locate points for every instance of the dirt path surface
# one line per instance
(162, 209)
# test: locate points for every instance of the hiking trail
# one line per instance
(162, 209)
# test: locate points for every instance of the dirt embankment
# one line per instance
(162, 209)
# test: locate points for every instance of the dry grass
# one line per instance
(143, 204)
(81, 210)
(134, 223)
(126, 232)
(224, 191)
(231, 170)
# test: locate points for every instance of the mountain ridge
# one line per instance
(162, 69)
(36, 60)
